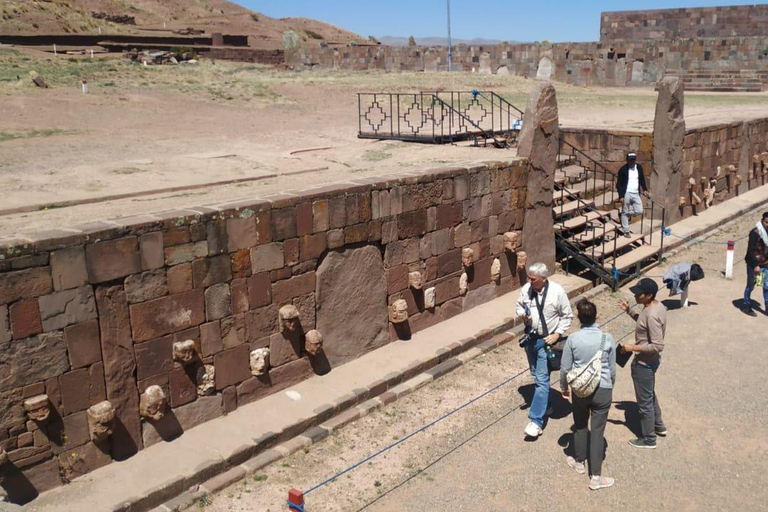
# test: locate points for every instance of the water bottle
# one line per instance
(550, 352)
(759, 279)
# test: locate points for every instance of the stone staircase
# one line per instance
(721, 80)
(587, 224)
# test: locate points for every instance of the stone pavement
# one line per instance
(239, 443)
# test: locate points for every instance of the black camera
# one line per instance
(529, 336)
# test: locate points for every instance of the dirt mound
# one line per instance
(87, 16)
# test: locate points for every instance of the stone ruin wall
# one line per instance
(618, 63)
(97, 312)
(743, 144)
(725, 21)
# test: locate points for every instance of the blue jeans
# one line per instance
(537, 360)
(751, 286)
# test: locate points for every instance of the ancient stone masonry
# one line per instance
(117, 335)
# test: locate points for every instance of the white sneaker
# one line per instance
(533, 430)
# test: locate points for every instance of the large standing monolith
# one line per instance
(668, 136)
(538, 144)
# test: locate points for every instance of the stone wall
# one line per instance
(610, 147)
(730, 21)
(97, 312)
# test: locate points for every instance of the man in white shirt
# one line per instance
(630, 182)
(545, 308)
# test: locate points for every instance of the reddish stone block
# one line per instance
(449, 262)
(185, 253)
(446, 290)
(307, 311)
(241, 233)
(74, 391)
(320, 218)
(241, 263)
(81, 460)
(423, 320)
(5, 325)
(25, 284)
(210, 339)
(112, 259)
(233, 331)
(267, 257)
(284, 224)
(176, 236)
(166, 315)
(83, 343)
(146, 286)
(312, 246)
(451, 308)
(304, 219)
(229, 399)
(181, 384)
(289, 374)
(480, 274)
(283, 350)
(218, 302)
(97, 389)
(151, 247)
(356, 234)
(33, 390)
(411, 224)
(261, 323)
(216, 236)
(239, 290)
(430, 270)
(67, 307)
(75, 430)
(291, 252)
(279, 275)
(209, 271)
(259, 290)
(253, 389)
(179, 278)
(154, 357)
(389, 231)
(397, 279)
(287, 289)
(232, 366)
(25, 318)
(68, 268)
(449, 215)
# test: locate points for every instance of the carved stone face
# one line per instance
(691, 182)
(730, 168)
(38, 408)
(259, 360)
(496, 270)
(313, 342)
(703, 182)
(289, 319)
(737, 180)
(101, 421)
(429, 298)
(184, 351)
(695, 199)
(522, 260)
(467, 257)
(414, 280)
(510, 241)
(206, 380)
(398, 311)
(152, 403)
(681, 202)
(463, 283)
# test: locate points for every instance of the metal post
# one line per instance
(450, 48)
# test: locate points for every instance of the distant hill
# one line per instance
(438, 41)
(77, 16)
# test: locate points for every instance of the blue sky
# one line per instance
(505, 20)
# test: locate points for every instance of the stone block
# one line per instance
(307, 309)
(25, 284)
(267, 257)
(210, 339)
(442, 241)
(81, 460)
(288, 289)
(179, 278)
(232, 366)
(67, 307)
(284, 348)
(411, 224)
(182, 385)
(209, 271)
(253, 389)
(181, 419)
(462, 235)
(83, 343)
(74, 388)
(320, 218)
(335, 238)
(25, 318)
(449, 215)
(151, 248)
(5, 325)
(240, 302)
(290, 374)
(176, 236)
(304, 220)
(68, 268)
(242, 233)
(241, 263)
(449, 262)
(146, 286)
(216, 235)
(397, 279)
(166, 315)
(389, 231)
(229, 399)
(113, 259)
(185, 253)
(284, 224)
(154, 357)
(259, 290)
(447, 289)
(312, 246)
(261, 323)
(218, 302)
(291, 252)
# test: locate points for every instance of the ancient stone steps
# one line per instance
(722, 80)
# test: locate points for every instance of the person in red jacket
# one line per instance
(757, 263)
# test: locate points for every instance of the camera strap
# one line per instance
(540, 308)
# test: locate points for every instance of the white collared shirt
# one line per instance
(557, 308)
(633, 181)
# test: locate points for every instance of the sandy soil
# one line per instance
(714, 457)
(140, 130)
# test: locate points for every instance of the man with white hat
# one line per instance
(630, 182)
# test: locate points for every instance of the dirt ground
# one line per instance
(143, 129)
(714, 457)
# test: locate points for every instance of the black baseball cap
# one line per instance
(644, 286)
(631, 155)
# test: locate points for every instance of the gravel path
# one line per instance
(709, 387)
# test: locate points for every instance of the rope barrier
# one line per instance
(665, 231)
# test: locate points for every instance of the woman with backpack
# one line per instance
(587, 375)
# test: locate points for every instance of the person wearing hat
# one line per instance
(649, 343)
(757, 263)
(630, 183)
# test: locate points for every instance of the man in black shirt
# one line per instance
(757, 263)
(630, 183)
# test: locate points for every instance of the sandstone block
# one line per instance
(185, 253)
(261, 323)
(411, 224)
(218, 302)
(113, 259)
(240, 302)
(83, 343)
(283, 224)
(449, 262)
(5, 325)
(259, 290)
(25, 284)
(182, 385)
(241, 263)
(242, 233)
(304, 219)
(209, 271)
(25, 318)
(320, 219)
(284, 348)
(185, 417)
(74, 387)
(232, 366)
(67, 307)
(146, 286)
(267, 257)
(253, 389)
(151, 248)
(68, 268)
(216, 235)
(288, 289)
(397, 279)
(290, 374)
(166, 315)
(210, 339)
(312, 246)
(154, 357)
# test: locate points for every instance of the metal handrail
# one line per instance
(485, 133)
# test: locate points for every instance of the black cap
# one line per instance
(645, 285)
(631, 155)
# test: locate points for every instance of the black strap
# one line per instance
(540, 308)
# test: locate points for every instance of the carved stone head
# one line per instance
(730, 168)
(510, 241)
(289, 319)
(463, 283)
(496, 270)
(398, 311)
(101, 421)
(38, 409)
(259, 360)
(184, 351)
(681, 202)
(737, 180)
(313, 342)
(206, 380)
(703, 182)
(467, 257)
(429, 298)
(522, 260)
(691, 182)
(152, 403)
(414, 280)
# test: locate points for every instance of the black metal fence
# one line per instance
(437, 117)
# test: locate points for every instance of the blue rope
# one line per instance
(422, 429)
(293, 506)
(668, 232)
